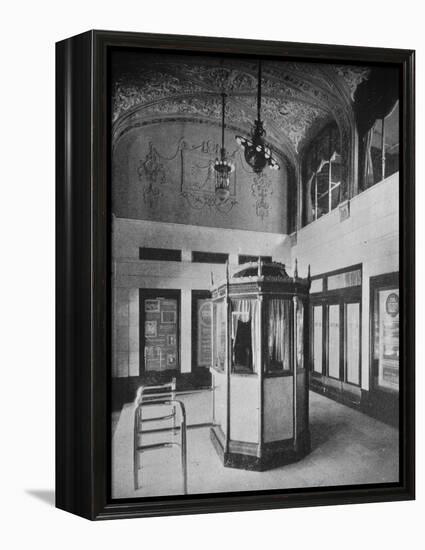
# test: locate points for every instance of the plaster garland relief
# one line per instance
(195, 164)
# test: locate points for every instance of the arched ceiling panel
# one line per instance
(298, 98)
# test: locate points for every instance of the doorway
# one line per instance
(335, 338)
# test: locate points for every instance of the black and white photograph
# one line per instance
(211, 235)
(255, 294)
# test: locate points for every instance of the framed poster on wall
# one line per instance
(159, 312)
(385, 354)
(389, 343)
(252, 170)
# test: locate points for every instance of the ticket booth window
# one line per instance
(279, 337)
(245, 332)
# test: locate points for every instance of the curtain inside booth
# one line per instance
(279, 337)
(245, 335)
(300, 334)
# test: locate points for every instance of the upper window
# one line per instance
(209, 257)
(322, 174)
(162, 254)
(381, 149)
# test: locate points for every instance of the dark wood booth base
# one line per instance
(244, 455)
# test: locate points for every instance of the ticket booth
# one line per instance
(260, 370)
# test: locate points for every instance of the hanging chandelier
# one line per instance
(256, 151)
(222, 166)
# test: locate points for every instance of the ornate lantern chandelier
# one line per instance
(257, 153)
(222, 166)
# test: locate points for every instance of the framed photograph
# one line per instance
(168, 317)
(256, 199)
(152, 306)
(150, 328)
(171, 360)
(171, 339)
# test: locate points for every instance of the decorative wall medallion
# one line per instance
(261, 190)
(152, 175)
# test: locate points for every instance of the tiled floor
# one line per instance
(348, 447)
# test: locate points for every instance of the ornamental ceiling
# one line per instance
(298, 99)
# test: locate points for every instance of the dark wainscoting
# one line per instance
(382, 406)
(337, 390)
(377, 405)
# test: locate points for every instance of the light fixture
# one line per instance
(222, 166)
(257, 153)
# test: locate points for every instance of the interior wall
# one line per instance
(370, 236)
(130, 274)
(164, 172)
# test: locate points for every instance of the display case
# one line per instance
(260, 366)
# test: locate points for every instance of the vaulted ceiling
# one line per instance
(298, 98)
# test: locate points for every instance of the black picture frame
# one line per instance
(82, 275)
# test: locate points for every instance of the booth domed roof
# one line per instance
(267, 269)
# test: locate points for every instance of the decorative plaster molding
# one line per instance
(296, 96)
(352, 76)
(261, 190)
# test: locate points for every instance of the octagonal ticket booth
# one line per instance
(260, 367)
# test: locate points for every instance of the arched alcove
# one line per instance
(163, 171)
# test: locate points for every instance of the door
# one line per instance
(336, 340)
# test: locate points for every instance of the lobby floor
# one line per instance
(348, 447)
